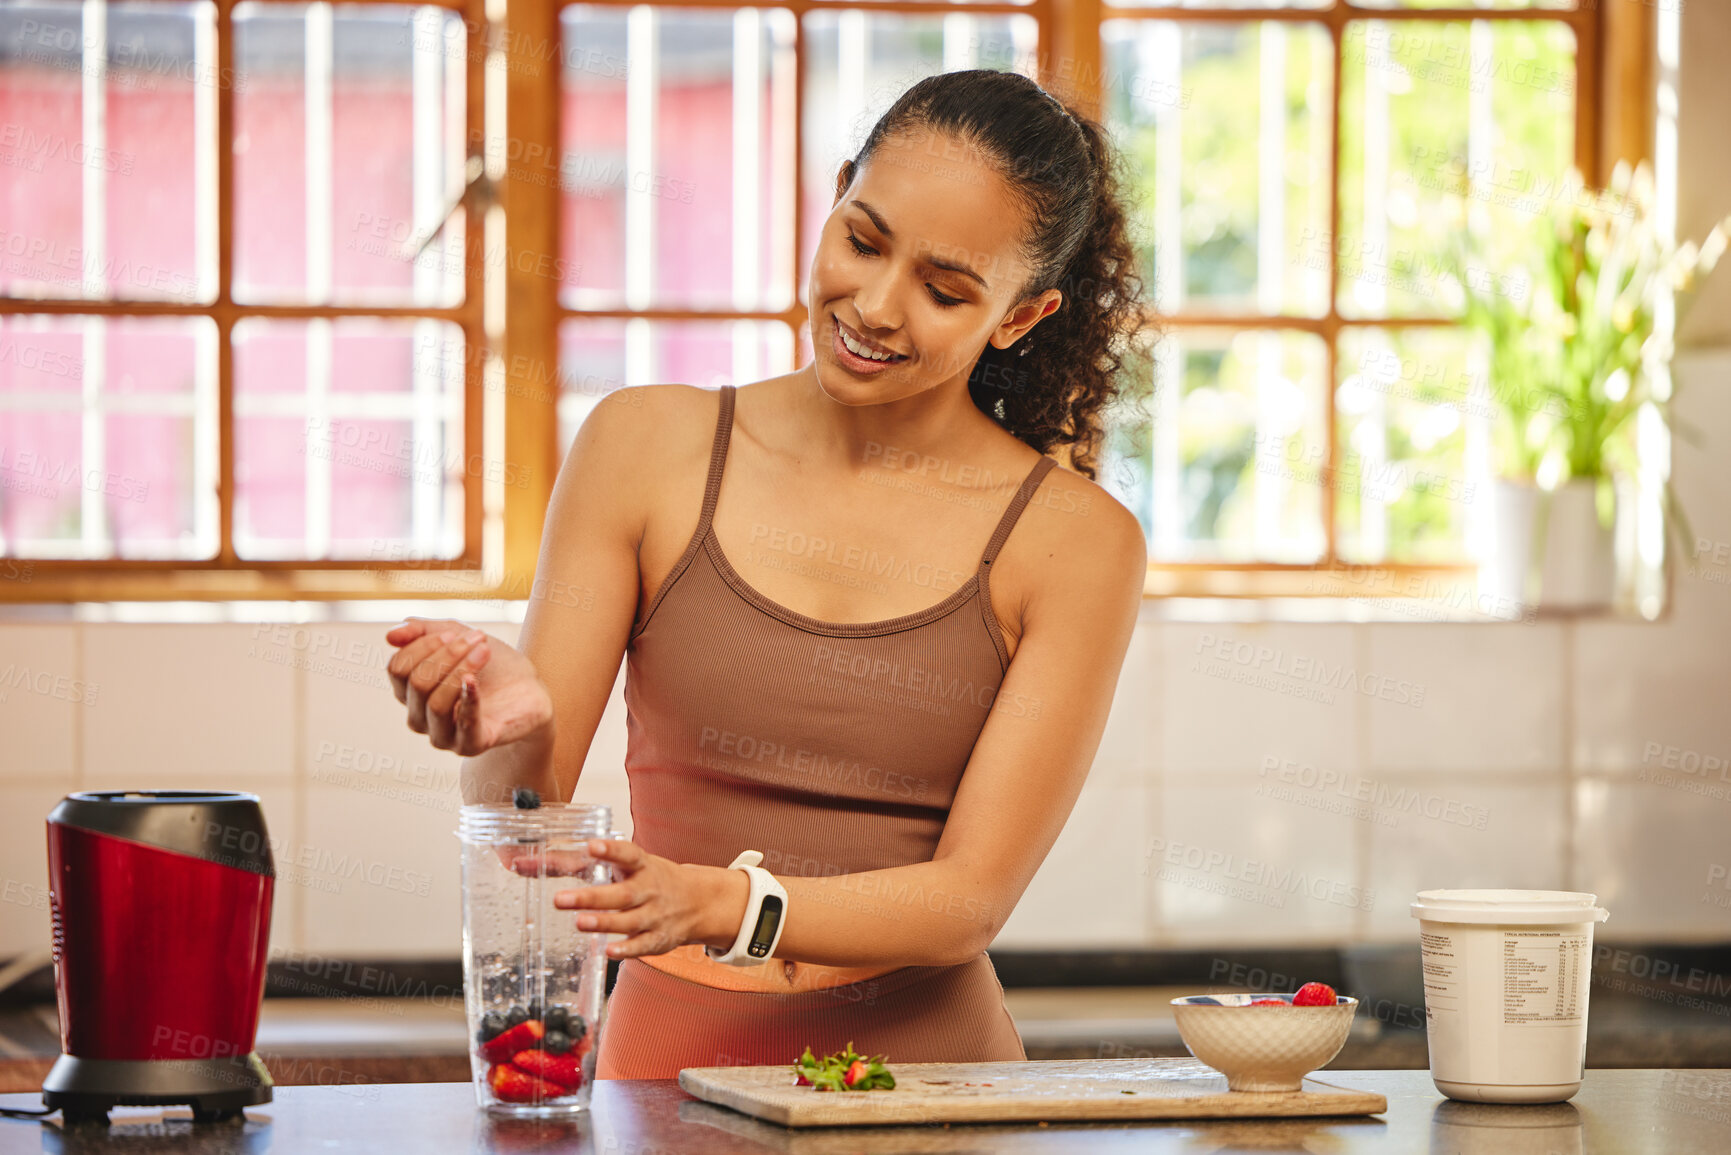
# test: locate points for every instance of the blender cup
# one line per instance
(533, 984)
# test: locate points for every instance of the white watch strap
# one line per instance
(762, 884)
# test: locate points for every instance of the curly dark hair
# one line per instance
(1050, 388)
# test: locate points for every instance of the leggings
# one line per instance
(657, 1023)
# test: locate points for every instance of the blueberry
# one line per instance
(524, 798)
(557, 1018)
(492, 1025)
(578, 1028)
(534, 1008)
(515, 1016)
(556, 1042)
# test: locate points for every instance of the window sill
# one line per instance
(203, 612)
(1312, 610)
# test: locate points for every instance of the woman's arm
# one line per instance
(583, 600)
(1084, 585)
(525, 716)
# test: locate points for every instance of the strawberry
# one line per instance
(513, 1086)
(518, 1038)
(565, 1070)
(1268, 1002)
(1314, 995)
(802, 1081)
(856, 1071)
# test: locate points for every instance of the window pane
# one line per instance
(348, 149)
(106, 125)
(1231, 3)
(597, 357)
(945, 3)
(1413, 445)
(1227, 125)
(349, 439)
(1236, 418)
(858, 63)
(1436, 116)
(1126, 465)
(677, 157)
(1466, 3)
(107, 437)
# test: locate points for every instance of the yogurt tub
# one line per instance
(1506, 977)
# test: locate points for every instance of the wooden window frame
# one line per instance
(1614, 112)
(1602, 129)
(227, 576)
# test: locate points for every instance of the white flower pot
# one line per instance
(1548, 549)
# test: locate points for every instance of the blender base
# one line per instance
(84, 1090)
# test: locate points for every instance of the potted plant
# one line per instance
(1578, 312)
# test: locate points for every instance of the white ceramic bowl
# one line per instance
(1262, 1048)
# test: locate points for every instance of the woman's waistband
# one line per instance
(865, 990)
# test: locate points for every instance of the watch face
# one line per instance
(767, 920)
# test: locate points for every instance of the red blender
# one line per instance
(161, 906)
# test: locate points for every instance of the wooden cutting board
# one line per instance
(1089, 1089)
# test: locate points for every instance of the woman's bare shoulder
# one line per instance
(1077, 537)
(649, 429)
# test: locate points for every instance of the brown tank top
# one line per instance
(832, 747)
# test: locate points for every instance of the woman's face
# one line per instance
(919, 259)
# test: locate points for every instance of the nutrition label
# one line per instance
(1542, 976)
(1441, 974)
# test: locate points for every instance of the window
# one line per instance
(240, 343)
(1318, 420)
(701, 146)
(341, 315)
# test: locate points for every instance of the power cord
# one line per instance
(24, 1113)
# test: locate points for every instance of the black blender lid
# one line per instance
(225, 827)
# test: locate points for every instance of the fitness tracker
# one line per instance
(765, 911)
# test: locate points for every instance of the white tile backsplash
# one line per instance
(1105, 839)
(25, 926)
(1236, 694)
(1132, 735)
(211, 703)
(1646, 691)
(1485, 698)
(43, 694)
(378, 876)
(357, 737)
(1234, 863)
(1459, 831)
(1658, 857)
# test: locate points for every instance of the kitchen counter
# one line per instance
(1618, 1112)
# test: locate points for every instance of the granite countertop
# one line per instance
(1618, 1112)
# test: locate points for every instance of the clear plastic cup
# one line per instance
(533, 984)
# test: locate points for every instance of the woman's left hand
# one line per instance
(658, 903)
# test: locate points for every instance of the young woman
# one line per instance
(869, 631)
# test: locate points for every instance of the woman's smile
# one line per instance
(855, 353)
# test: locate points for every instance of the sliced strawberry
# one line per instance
(1268, 1002)
(856, 1071)
(565, 1070)
(1314, 995)
(513, 1086)
(519, 1038)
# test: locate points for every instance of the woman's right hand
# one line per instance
(467, 691)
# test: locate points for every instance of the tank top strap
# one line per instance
(717, 459)
(1017, 505)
